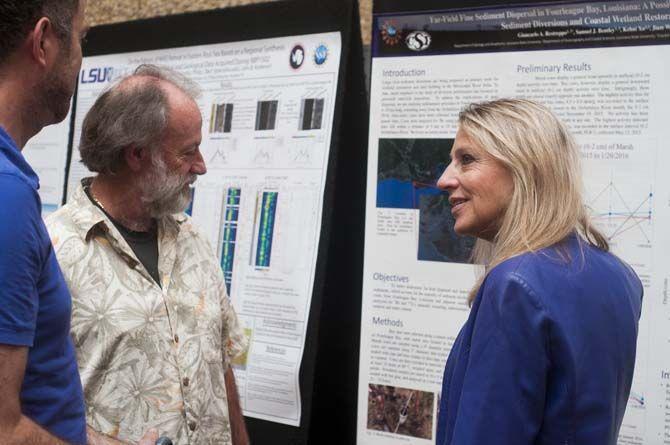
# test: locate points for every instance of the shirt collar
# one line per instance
(11, 152)
(89, 220)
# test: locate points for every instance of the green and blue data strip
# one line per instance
(266, 228)
(231, 217)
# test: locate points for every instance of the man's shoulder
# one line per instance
(61, 227)
(8, 169)
(20, 202)
(188, 229)
(192, 238)
(13, 164)
(14, 187)
(7, 154)
(59, 220)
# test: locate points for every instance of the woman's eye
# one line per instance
(467, 159)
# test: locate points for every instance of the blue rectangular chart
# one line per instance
(266, 224)
(231, 215)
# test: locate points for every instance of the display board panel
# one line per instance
(272, 108)
(603, 68)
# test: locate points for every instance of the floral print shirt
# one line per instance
(149, 355)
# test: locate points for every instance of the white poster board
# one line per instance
(615, 98)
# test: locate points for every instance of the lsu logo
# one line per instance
(97, 75)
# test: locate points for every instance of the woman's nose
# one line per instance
(448, 179)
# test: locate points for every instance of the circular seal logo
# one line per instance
(320, 54)
(418, 41)
(391, 35)
(297, 57)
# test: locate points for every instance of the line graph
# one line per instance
(618, 215)
(621, 198)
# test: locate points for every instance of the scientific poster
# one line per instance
(603, 68)
(267, 108)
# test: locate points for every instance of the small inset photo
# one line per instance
(401, 411)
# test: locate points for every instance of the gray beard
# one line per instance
(165, 193)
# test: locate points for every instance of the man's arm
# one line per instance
(237, 427)
(15, 428)
(19, 270)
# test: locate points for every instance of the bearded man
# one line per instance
(152, 324)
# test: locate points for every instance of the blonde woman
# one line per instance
(548, 351)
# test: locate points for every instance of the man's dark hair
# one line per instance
(17, 17)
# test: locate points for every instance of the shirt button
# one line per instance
(176, 338)
(185, 381)
(192, 425)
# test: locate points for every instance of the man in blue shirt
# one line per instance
(40, 392)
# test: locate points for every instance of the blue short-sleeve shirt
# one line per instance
(35, 303)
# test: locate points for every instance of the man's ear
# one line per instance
(45, 45)
(136, 157)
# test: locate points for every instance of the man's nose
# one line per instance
(198, 167)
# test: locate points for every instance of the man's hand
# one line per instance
(15, 428)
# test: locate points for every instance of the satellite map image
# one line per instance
(407, 174)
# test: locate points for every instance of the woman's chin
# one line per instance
(461, 231)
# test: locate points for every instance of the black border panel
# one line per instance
(258, 21)
(336, 380)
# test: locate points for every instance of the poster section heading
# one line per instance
(538, 27)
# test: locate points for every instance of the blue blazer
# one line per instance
(547, 354)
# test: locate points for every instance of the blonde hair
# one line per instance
(546, 205)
